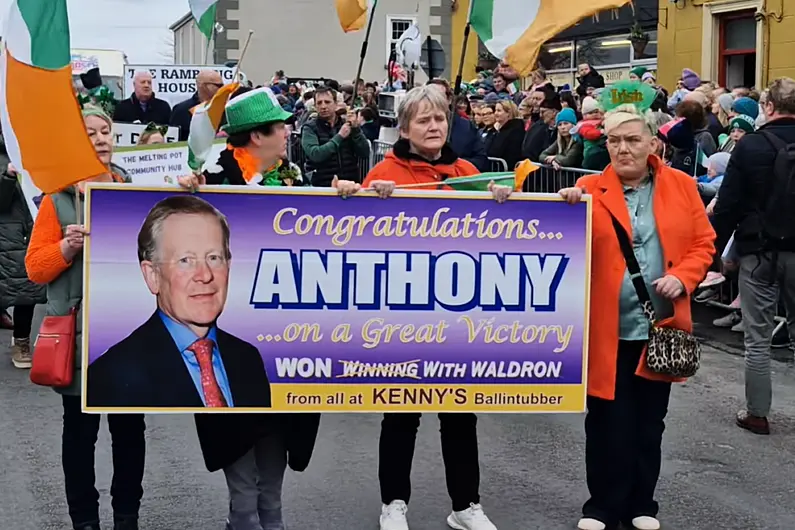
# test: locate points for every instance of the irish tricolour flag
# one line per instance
(204, 13)
(41, 119)
(515, 30)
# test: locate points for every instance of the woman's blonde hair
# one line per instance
(628, 113)
(509, 107)
(410, 106)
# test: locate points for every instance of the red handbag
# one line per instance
(54, 351)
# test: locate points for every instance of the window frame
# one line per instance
(390, 19)
(630, 63)
(723, 53)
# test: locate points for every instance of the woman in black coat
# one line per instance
(16, 290)
(507, 144)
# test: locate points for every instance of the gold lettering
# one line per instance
(277, 221)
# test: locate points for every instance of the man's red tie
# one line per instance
(203, 350)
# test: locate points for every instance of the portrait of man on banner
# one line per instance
(179, 358)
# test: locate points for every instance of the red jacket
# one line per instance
(403, 167)
(687, 241)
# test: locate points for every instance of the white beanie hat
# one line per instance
(589, 105)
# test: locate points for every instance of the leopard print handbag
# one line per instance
(670, 351)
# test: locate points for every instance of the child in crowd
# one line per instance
(739, 126)
(595, 156)
(709, 184)
(566, 151)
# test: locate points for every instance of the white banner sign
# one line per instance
(127, 134)
(173, 83)
(158, 165)
(147, 165)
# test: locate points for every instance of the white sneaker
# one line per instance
(393, 516)
(586, 523)
(644, 522)
(473, 518)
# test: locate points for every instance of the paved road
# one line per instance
(714, 475)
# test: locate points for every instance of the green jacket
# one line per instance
(66, 291)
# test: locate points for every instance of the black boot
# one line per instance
(88, 527)
(126, 524)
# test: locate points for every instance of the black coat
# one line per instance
(130, 111)
(16, 225)
(507, 144)
(537, 138)
(181, 116)
(592, 79)
(744, 191)
(146, 370)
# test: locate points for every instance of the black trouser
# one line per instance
(23, 320)
(623, 440)
(78, 444)
(459, 452)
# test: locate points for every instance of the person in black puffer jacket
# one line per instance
(16, 290)
(507, 144)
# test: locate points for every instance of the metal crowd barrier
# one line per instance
(497, 165)
(545, 180)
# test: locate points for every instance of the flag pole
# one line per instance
(363, 54)
(467, 28)
(460, 74)
(209, 43)
(242, 55)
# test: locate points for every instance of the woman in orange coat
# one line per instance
(422, 156)
(660, 210)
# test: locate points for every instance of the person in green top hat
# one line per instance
(256, 147)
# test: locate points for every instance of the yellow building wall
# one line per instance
(782, 42)
(471, 58)
(678, 41)
(680, 37)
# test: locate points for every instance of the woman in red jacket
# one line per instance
(660, 210)
(422, 156)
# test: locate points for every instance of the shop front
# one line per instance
(733, 43)
(612, 55)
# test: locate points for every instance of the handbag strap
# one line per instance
(634, 269)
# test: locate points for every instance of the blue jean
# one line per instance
(255, 486)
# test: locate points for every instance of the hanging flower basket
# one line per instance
(639, 44)
(639, 40)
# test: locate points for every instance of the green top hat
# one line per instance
(252, 109)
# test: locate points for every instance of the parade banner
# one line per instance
(128, 134)
(173, 83)
(158, 165)
(424, 302)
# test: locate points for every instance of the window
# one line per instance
(737, 49)
(395, 26)
(557, 56)
(604, 51)
(643, 53)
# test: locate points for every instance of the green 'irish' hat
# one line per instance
(252, 109)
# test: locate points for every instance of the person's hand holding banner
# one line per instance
(72, 242)
(500, 193)
(192, 182)
(571, 195)
(345, 188)
(383, 188)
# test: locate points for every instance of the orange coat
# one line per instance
(687, 240)
(407, 170)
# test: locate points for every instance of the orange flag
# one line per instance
(352, 14)
(515, 30)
